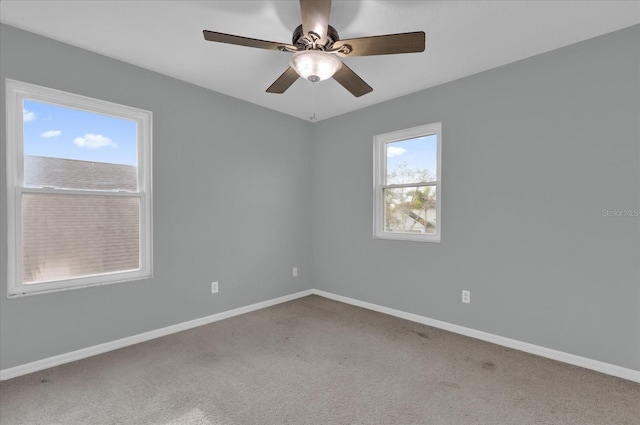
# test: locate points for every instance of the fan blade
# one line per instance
(350, 81)
(410, 42)
(244, 41)
(284, 81)
(315, 17)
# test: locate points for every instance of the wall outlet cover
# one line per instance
(466, 297)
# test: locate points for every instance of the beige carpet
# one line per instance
(316, 361)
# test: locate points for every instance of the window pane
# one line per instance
(67, 236)
(73, 149)
(410, 209)
(412, 160)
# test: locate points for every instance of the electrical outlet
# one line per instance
(466, 297)
(295, 271)
(214, 287)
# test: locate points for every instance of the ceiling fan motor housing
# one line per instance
(304, 42)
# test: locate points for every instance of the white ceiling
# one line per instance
(463, 38)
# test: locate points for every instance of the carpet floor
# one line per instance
(317, 361)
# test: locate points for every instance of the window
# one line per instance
(406, 184)
(79, 191)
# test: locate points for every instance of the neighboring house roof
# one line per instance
(77, 235)
(75, 174)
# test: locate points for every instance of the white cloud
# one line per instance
(51, 133)
(94, 141)
(395, 151)
(28, 115)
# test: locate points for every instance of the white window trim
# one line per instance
(380, 142)
(16, 92)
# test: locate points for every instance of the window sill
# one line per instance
(412, 237)
(26, 290)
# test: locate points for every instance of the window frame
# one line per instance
(16, 92)
(380, 143)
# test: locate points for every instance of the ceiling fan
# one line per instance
(317, 49)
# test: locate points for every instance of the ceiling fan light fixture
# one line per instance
(315, 65)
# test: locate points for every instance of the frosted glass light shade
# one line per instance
(315, 65)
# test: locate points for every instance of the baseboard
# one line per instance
(598, 366)
(24, 369)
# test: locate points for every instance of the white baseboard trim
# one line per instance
(598, 366)
(24, 369)
(561, 356)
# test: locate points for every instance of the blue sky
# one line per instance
(418, 153)
(61, 132)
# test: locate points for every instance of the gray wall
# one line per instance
(533, 152)
(231, 203)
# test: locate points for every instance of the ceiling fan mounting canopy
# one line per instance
(317, 48)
